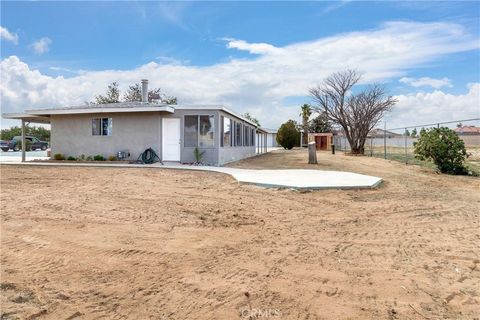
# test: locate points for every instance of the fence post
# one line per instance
(385, 140)
(406, 155)
(371, 146)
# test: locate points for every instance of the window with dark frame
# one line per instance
(238, 134)
(226, 132)
(102, 126)
(245, 136)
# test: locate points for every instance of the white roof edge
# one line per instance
(164, 108)
(44, 112)
(214, 107)
(27, 117)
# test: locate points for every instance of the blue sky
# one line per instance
(206, 46)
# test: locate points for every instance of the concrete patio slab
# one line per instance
(286, 178)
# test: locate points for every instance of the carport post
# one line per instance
(23, 140)
(265, 139)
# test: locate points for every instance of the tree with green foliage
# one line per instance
(288, 135)
(320, 124)
(134, 94)
(414, 133)
(251, 118)
(305, 114)
(407, 133)
(112, 95)
(40, 133)
(444, 148)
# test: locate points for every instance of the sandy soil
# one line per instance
(85, 243)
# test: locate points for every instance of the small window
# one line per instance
(226, 139)
(102, 127)
(238, 134)
(248, 141)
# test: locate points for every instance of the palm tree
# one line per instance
(305, 114)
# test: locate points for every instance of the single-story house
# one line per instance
(172, 131)
(467, 131)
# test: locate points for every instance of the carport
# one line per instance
(26, 119)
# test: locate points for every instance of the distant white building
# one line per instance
(271, 136)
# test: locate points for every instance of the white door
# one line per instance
(171, 139)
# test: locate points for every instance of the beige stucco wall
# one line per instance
(72, 134)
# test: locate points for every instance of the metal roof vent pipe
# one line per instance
(144, 91)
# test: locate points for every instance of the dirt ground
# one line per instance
(89, 243)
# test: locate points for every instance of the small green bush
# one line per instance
(112, 158)
(70, 158)
(98, 158)
(89, 158)
(444, 148)
(198, 155)
(288, 135)
(58, 156)
(81, 157)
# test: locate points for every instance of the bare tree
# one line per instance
(356, 114)
(134, 94)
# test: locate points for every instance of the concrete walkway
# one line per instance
(289, 178)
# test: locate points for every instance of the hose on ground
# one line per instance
(148, 156)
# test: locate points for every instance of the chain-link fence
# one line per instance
(398, 143)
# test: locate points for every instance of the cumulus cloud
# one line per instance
(258, 85)
(437, 106)
(255, 48)
(7, 35)
(426, 82)
(42, 45)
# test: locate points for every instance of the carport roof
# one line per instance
(27, 117)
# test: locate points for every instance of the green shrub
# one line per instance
(98, 158)
(58, 156)
(198, 155)
(70, 158)
(81, 157)
(444, 148)
(112, 158)
(89, 158)
(288, 135)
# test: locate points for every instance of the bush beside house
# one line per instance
(288, 135)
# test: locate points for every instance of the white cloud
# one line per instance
(437, 106)
(255, 48)
(258, 85)
(427, 82)
(42, 45)
(7, 35)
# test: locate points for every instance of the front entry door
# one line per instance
(171, 139)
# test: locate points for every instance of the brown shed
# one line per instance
(323, 141)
